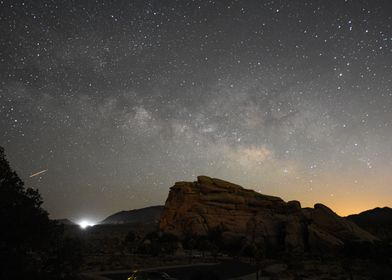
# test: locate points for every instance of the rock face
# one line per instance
(209, 204)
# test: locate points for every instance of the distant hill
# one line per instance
(377, 221)
(65, 222)
(148, 215)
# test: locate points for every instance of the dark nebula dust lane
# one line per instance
(118, 100)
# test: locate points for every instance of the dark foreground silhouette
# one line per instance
(221, 271)
(31, 245)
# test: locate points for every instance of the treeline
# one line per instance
(31, 245)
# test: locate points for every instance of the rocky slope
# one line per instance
(209, 204)
(377, 221)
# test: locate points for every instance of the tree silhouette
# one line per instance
(169, 243)
(130, 241)
(30, 243)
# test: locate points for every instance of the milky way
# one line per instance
(120, 99)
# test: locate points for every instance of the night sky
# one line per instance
(117, 100)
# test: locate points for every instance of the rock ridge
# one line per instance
(210, 204)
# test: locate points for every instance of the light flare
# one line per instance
(85, 224)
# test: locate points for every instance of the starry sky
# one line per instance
(117, 100)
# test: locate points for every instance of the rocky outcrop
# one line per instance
(377, 221)
(324, 218)
(209, 204)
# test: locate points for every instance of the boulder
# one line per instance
(327, 220)
(294, 205)
(322, 242)
(295, 232)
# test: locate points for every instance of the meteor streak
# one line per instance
(38, 173)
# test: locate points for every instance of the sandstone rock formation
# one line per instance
(198, 208)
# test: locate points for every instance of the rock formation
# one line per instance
(377, 221)
(201, 207)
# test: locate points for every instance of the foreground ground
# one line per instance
(226, 270)
(269, 270)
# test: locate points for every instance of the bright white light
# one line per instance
(85, 223)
